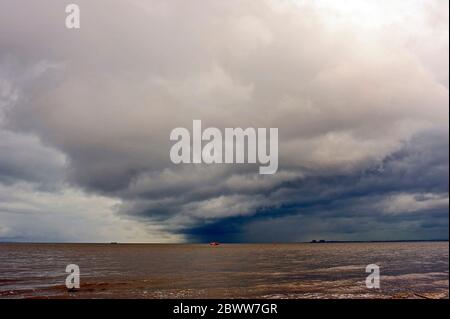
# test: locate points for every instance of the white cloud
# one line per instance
(69, 215)
(346, 84)
(408, 203)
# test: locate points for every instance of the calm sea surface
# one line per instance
(408, 270)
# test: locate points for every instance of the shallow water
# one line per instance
(408, 270)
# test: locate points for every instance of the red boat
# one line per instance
(214, 243)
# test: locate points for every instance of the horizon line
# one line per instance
(230, 243)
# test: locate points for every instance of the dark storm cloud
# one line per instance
(360, 100)
(356, 206)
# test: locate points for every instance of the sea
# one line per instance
(270, 271)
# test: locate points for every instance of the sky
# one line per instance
(358, 89)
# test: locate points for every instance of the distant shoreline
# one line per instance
(374, 241)
(235, 243)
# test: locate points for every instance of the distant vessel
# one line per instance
(214, 243)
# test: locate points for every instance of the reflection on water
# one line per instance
(408, 270)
